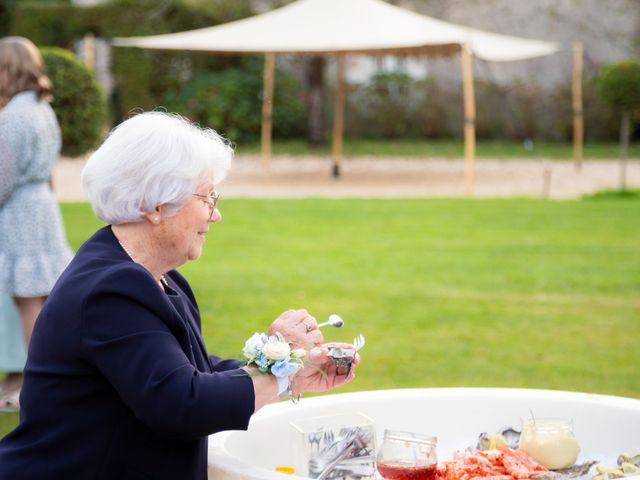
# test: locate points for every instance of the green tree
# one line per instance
(620, 88)
(230, 100)
(78, 101)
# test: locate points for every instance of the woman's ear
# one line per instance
(154, 216)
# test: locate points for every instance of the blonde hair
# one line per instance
(21, 69)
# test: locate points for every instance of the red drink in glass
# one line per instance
(407, 472)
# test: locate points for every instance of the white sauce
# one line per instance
(550, 442)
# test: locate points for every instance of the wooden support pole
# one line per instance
(469, 118)
(338, 116)
(267, 107)
(625, 129)
(89, 50)
(578, 117)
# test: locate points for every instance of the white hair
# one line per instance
(149, 160)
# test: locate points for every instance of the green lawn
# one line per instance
(494, 293)
(445, 148)
(501, 293)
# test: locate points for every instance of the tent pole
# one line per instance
(90, 50)
(578, 118)
(469, 118)
(338, 116)
(267, 107)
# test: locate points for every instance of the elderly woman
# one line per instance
(118, 381)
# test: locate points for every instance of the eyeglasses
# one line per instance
(211, 200)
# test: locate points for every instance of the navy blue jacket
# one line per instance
(118, 382)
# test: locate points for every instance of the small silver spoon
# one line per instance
(334, 320)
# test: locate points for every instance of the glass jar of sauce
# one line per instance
(407, 456)
(550, 441)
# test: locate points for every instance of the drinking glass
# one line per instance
(407, 456)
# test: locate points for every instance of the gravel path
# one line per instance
(298, 177)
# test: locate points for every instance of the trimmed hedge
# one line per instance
(6, 13)
(620, 85)
(78, 101)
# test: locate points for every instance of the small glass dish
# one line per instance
(407, 456)
(550, 441)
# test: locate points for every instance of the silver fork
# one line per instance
(328, 439)
(358, 343)
(314, 439)
(321, 468)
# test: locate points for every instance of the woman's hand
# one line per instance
(299, 328)
(320, 373)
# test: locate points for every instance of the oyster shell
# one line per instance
(632, 457)
(577, 470)
(625, 469)
(505, 436)
(342, 357)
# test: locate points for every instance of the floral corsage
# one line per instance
(273, 354)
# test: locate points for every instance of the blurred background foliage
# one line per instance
(231, 100)
(393, 105)
(620, 85)
(78, 101)
(224, 91)
(142, 77)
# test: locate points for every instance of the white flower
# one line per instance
(253, 346)
(298, 353)
(276, 350)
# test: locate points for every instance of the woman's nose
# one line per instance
(216, 216)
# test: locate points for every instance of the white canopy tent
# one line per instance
(341, 27)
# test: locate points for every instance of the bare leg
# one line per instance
(29, 309)
(13, 381)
